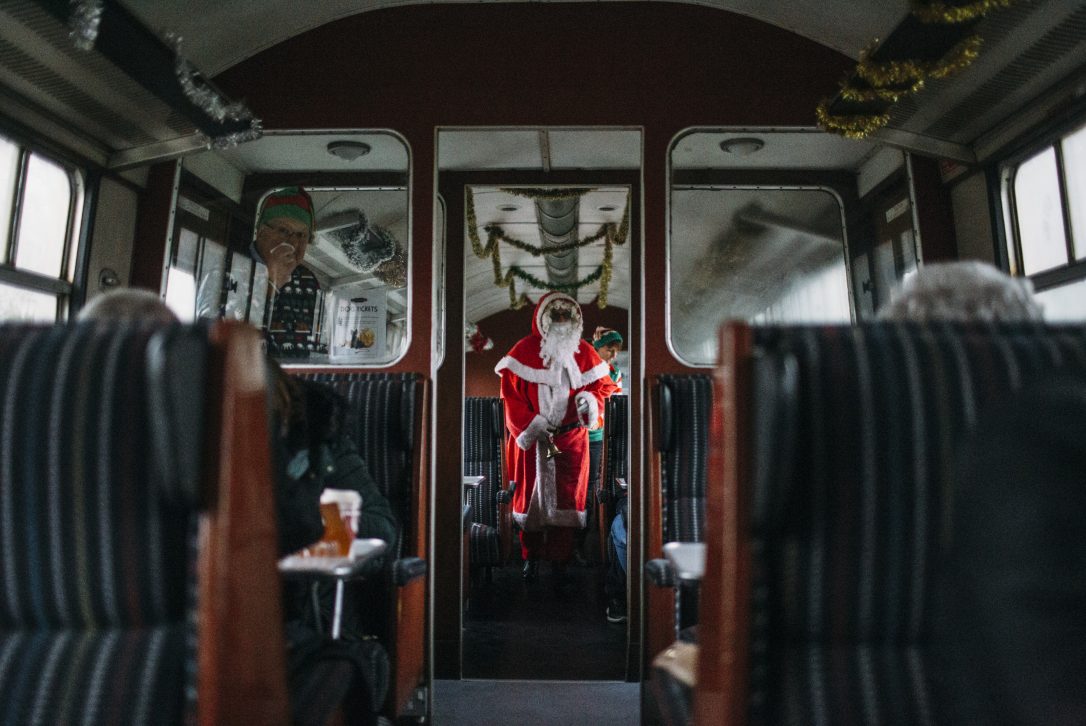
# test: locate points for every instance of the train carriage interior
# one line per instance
(641, 362)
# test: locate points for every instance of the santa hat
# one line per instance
(540, 323)
(292, 202)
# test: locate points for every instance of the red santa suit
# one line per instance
(549, 500)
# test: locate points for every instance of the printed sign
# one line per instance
(358, 324)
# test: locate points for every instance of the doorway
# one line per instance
(531, 198)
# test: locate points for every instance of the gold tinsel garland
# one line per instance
(856, 126)
(891, 80)
(891, 94)
(899, 72)
(935, 11)
(495, 235)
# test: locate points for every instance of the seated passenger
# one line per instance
(128, 305)
(963, 291)
(615, 581)
(313, 452)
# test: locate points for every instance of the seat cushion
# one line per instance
(106, 676)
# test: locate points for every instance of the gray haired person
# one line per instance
(963, 291)
(128, 305)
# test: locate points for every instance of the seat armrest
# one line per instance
(660, 573)
(406, 569)
(505, 496)
(620, 482)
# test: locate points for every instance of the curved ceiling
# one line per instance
(218, 34)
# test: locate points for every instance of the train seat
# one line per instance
(615, 468)
(138, 527)
(387, 418)
(676, 512)
(490, 535)
(830, 493)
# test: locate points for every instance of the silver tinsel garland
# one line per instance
(84, 21)
(212, 103)
(365, 245)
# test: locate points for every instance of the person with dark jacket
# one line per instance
(313, 452)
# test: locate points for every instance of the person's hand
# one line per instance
(582, 412)
(281, 261)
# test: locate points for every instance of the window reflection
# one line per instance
(755, 254)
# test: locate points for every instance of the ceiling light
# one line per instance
(348, 150)
(744, 146)
(508, 207)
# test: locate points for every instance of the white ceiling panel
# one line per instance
(285, 151)
(796, 148)
(489, 149)
(595, 149)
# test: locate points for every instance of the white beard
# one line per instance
(560, 342)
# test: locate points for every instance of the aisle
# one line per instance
(530, 631)
(539, 703)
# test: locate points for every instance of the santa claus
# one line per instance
(553, 385)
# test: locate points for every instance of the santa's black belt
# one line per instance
(564, 428)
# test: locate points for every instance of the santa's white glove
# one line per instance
(588, 410)
(536, 430)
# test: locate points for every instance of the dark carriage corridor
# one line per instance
(530, 631)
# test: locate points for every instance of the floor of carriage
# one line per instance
(536, 631)
(503, 702)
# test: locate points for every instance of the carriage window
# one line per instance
(765, 255)
(39, 207)
(1040, 215)
(312, 245)
(1048, 224)
(347, 302)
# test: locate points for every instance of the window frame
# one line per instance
(1010, 243)
(64, 286)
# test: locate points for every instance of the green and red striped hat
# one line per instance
(293, 202)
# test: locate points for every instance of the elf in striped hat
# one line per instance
(284, 231)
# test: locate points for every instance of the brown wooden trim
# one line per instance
(410, 650)
(724, 612)
(240, 652)
(409, 614)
